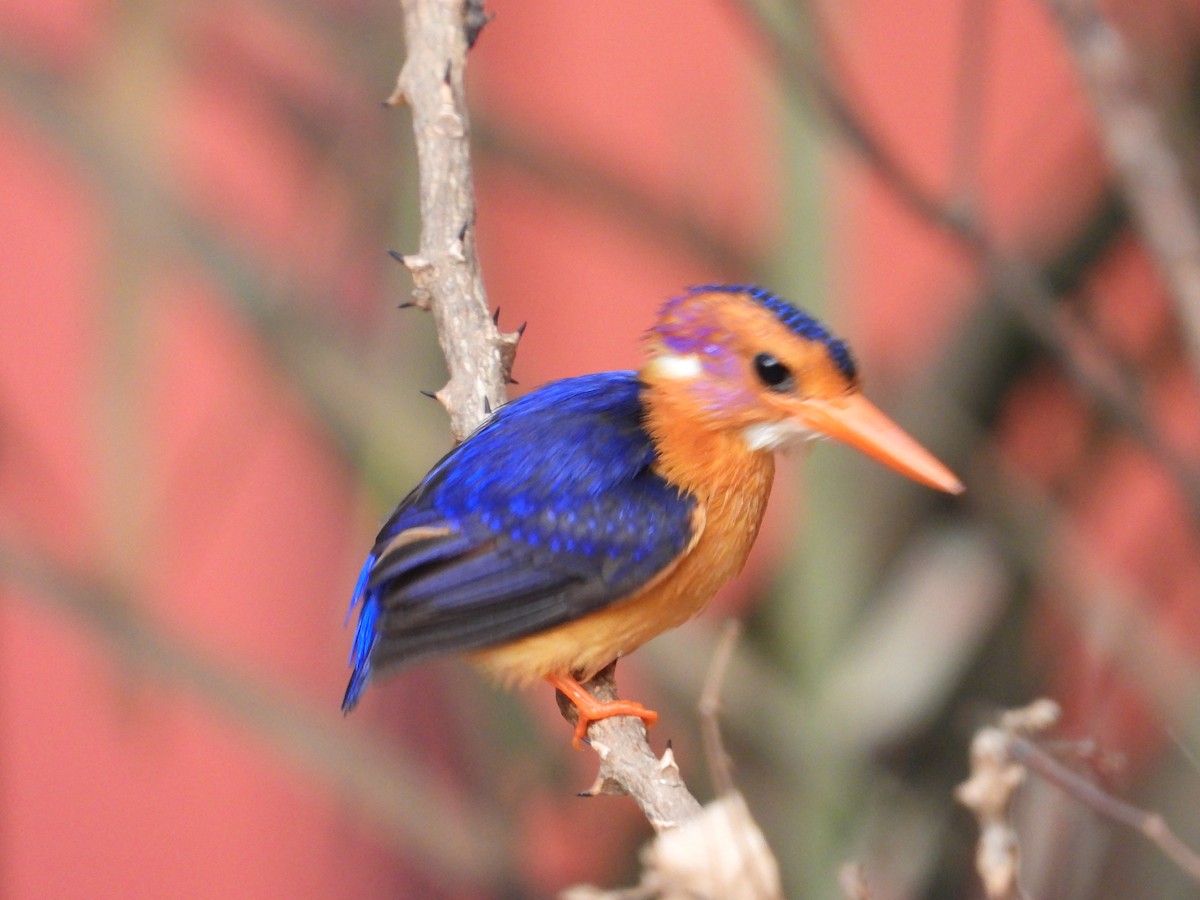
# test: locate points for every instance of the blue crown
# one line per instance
(799, 322)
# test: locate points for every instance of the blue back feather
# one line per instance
(549, 511)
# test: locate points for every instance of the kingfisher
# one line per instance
(594, 513)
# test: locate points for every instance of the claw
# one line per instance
(591, 710)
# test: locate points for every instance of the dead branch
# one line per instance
(715, 852)
(1002, 756)
(445, 270)
(1150, 825)
(989, 793)
(628, 765)
(447, 280)
(710, 709)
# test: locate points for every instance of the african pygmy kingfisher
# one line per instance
(583, 519)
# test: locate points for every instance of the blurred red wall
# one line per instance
(216, 500)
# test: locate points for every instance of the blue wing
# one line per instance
(549, 511)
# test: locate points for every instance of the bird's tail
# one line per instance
(364, 635)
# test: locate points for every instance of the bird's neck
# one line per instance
(709, 462)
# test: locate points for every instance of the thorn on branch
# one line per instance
(474, 19)
(626, 759)
(714, 851)
(446, 277)
(666, 762)
(507, 344)
(413, 262)
(422, 272)
(398, 97)
(604, 785)
(458, 250)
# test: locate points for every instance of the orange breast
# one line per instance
(731, 484)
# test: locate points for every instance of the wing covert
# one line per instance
(549, 511)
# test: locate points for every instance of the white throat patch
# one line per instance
(777, 435)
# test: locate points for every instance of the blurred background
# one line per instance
(208, 402)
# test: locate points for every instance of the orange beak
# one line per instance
(852, 418)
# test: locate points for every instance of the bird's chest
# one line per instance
(731, 499)
(731, 487)
(730, 507)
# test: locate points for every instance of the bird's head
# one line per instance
(736, 357)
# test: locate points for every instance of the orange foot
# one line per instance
(591, 709)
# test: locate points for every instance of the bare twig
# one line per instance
(447, 277)
(1002, 755)
(989, 792)
(1151, 825)
(1135, 140)
(710, 708)
(628, 766)
(715, 852)
(446, 269)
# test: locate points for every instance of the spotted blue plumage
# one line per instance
(549, 511)
(800, 322)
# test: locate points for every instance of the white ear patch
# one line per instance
(676, 367)
(776, 435)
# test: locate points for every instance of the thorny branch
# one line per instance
(627, 764)
(447, 278)
(447, 281)
(718, 851)
(445, 271)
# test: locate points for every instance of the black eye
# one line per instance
(773, 373)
